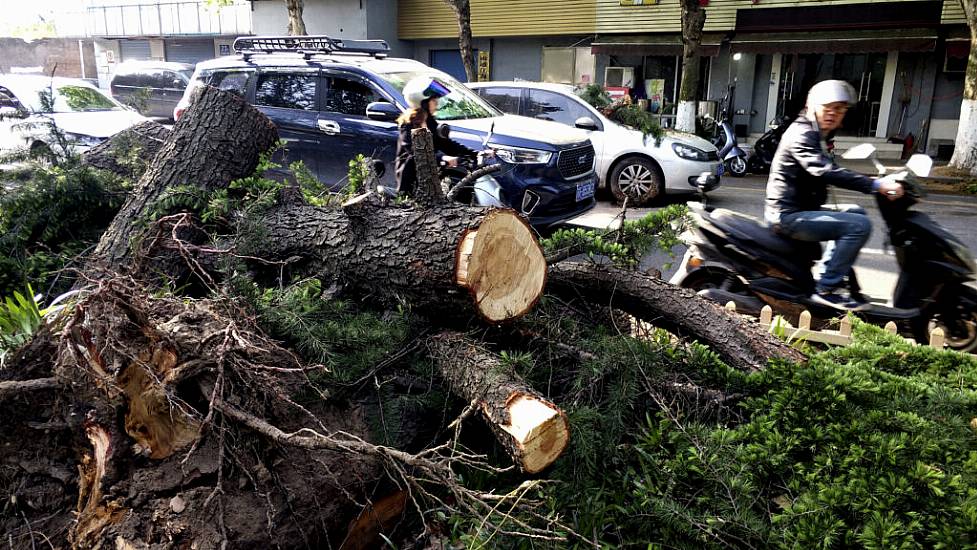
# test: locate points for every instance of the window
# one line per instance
(68, 99)
(555, 107)
(568, 65)
(505, 99)
(7, 99)
(286, 90)
(235, 82)
(461, 104)
(349, 96)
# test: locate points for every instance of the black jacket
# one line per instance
(801, 172)
(404, 163)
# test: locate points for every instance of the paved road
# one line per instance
(877, 270)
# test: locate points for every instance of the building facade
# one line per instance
(904, 57)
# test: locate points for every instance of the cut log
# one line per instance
(442, 260)
(218, 140)
(128, 153)
(742, 344)
(427, 190)
(532, 430)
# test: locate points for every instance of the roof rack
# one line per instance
(308, 45)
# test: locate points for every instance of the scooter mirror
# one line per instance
(920, 165)
(859, 152)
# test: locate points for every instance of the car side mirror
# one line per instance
(586, 123)
(920, 165)
(383, 111)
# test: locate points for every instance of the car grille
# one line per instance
(712, 156)
(574, 163)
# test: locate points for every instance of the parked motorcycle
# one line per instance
(766, 146)
(734, 257)
(734, 158)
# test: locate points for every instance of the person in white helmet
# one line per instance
(797, 190)
(422, 94)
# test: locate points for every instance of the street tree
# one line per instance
(965, 150)
(693, 20)
(463, 12)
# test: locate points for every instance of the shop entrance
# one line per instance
(864, 71)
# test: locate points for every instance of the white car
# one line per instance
(628, 163)
(83, 113)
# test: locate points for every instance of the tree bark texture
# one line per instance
(532, 429)
(965, 147)
(742, 344)
(693, 20)
(463, 12)
(427, 190)
(130, 152)
(218, 140)
(296, 25)
(129, 450)
(394, 252)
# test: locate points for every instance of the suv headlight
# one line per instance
(518, 155)
(690, 153)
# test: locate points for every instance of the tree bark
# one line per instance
(532, 429)
(693, 20)
(130, 152)
(965, 147)
(463, 12)
(296, 25)
(445, 261)
(427, 190)
(218, 140)
(742, 344)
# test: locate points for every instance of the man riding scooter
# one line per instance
(797, 191)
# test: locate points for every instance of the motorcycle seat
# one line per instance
(748, 228)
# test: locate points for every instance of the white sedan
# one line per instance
(30, 106)
(628, 163)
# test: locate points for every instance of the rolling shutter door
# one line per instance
(189, 51)
(134, 49)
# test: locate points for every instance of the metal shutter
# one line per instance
(134, 49)
(189, 51)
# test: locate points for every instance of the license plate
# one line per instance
(585, 191)
(720, 169)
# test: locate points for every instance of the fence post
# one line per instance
(731, 306)
(804, 321)
(845, 328)
(937, 338)
(766, 316)
(891, 327)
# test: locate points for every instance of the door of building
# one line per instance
(864, 71)
(449, 61)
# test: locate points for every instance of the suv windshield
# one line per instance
(460, 104)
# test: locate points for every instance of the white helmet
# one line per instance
(830, 91)
(422, 88)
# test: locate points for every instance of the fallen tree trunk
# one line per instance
(444, 260)
(742, 344)
(218, 139)
(532, 429)
(130, 152)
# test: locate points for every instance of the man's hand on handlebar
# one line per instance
(451, 162)
(487, 153)
(891, 188)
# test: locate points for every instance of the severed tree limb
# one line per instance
(742, 344)
(128, 153)
(532, 429)
(427, 189)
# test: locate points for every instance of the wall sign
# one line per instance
(225, 49)
(638, 2)
(484, 66)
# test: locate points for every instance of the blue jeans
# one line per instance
(847, 226)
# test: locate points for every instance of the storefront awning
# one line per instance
(651, 44)
(903, 40)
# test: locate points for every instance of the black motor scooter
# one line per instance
(734, 257)
(766, 146)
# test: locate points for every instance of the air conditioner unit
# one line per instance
(619, 77)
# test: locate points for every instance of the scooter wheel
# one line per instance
(736, 167)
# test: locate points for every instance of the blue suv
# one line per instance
(333, 99)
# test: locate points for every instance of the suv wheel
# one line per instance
(637, 179)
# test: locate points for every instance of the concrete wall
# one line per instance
(381, 23)
(337, 18)
(63, 54)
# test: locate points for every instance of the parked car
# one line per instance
(628, 163)
(30, 105)
(333, 99)
(152, 87)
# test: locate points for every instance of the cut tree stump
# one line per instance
(533, 431)
(742, 344)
